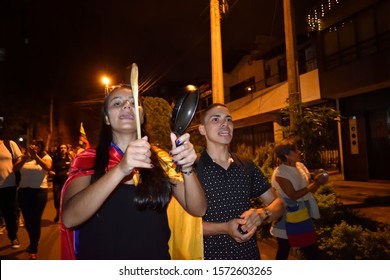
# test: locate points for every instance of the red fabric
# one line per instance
(302, 239)
(82, 165)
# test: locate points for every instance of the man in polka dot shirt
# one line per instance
(230, 224)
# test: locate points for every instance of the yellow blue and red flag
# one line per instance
(83, 140)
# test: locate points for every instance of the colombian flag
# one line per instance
(83, 140)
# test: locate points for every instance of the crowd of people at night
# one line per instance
(128, 190)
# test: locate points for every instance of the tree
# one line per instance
(312, 129)
(157, 111)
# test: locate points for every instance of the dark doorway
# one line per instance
(378, 129)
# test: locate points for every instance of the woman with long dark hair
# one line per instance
(116, 197)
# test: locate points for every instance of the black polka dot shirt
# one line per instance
(228, 194)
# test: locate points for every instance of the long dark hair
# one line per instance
(57, 154)
(154, 191)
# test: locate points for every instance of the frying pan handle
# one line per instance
(178, 167)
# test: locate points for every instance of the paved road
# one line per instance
(49, 244)
(350, 193)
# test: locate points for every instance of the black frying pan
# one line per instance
(184, 108)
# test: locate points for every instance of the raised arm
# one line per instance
(312, 187)
(189, 193)
(82, 199)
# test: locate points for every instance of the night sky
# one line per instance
(63, 48)
(69, 45)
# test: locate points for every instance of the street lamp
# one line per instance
(191, 88)
(106, 81)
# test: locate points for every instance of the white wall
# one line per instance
(274, 98)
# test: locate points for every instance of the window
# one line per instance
(242, 89)
(361, 35)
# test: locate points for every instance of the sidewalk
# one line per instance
(360, 196)
(358, 192)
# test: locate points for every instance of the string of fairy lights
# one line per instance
(314, 17)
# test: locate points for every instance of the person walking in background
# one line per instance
(60, 169)
(229, 182)
(294, 185)
(32, 194)
(10, 155)
(114, 204)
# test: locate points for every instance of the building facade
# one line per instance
(345, 62)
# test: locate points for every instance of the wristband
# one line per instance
(267, 214)
(187, 172)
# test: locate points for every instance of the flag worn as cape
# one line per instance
(186, 241)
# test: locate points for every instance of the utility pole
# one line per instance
(294, 90)
(216, 53)
(48, 141)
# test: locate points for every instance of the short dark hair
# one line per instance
(40, 143)
(284, 147)
(209, 108)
